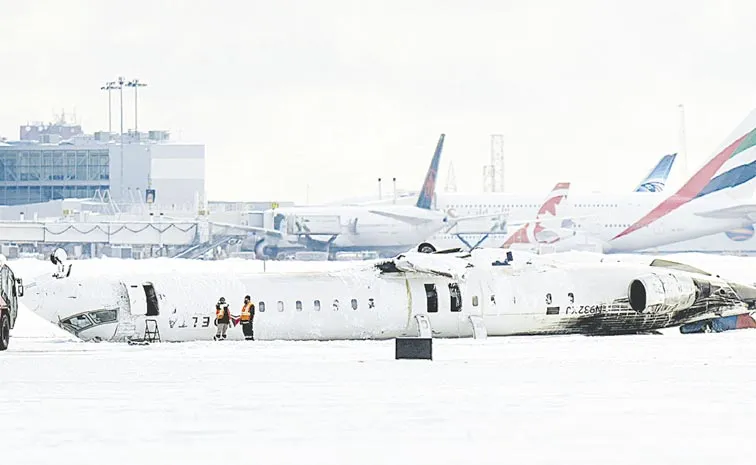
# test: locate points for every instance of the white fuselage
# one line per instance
(531, 295)
(599, 218)
(350, 228)
(300, 306)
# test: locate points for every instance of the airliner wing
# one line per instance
(747, 211)
(404, 218)
(426, 264)
(265, 231)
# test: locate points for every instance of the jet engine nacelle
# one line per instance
(661, 293)
(552, 235)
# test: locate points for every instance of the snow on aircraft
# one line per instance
(717, 198)
(489, 291)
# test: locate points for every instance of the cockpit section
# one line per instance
(75, 324)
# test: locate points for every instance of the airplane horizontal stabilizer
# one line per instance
(747, 212)
(404, 218)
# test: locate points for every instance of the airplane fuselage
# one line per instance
(599, 220)
(348, 228)
(530, 295)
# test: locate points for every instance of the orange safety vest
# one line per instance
(246, 313)
(219, 312)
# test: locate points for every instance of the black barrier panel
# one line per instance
(414, 348)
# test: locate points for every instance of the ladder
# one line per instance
(151, 330)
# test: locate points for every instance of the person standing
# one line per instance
(222, 319)
(247, 317)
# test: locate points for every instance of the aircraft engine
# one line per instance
(552, 235)
(661, 293)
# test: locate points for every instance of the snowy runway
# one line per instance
(635, 399)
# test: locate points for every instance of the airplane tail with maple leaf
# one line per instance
(547, 227)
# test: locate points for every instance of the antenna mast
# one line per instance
(683, 142)
(451, 180)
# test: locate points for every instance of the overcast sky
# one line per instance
(336, 93)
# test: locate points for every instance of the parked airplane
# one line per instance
(488, 291)
(717, 198)
(546, 229)
(386, 229)
(657, 178)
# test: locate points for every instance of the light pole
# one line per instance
(109, 86)
(683, 142)
(121, 81)
(136, 85)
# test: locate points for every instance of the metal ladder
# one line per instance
(151, 330)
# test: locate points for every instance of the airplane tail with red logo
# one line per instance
(537, 232)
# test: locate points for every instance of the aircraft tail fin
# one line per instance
(727, 177)
(657, 178)
(425, 198)
(529, 232)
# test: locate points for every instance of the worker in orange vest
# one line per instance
(222, 318)
(247, 317)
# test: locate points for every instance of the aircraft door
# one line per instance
(137, 301)
(151, 300)
(444, 306)
(143, 300)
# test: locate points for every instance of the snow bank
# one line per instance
(31, 325)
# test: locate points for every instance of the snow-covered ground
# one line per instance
(551, 400)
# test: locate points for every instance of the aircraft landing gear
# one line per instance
(426, 248)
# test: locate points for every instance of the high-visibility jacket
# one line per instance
(248, 312)
(221, 313)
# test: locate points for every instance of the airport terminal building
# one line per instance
(58, 161)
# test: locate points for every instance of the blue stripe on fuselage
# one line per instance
(735, 177)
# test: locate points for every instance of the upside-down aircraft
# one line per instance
(717, 198)
(485, 292)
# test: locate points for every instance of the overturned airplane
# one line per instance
(453, 294)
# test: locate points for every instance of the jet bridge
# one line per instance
(110, 232)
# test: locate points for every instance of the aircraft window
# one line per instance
(456, 297)
(78, 322)
(104, 316)
(280, 306)
(431, 297)
(475, 301)
(261, 307)
(316, 305)
(354, 304)
(335, 304)
(371, 303)
(153, 308)
(298, 304)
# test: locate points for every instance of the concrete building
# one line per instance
(146, 168)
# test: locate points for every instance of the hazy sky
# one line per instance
(337, 93)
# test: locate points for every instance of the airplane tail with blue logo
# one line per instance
(722, 188)
(657, 178)
(428, 191)
(424, 199)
